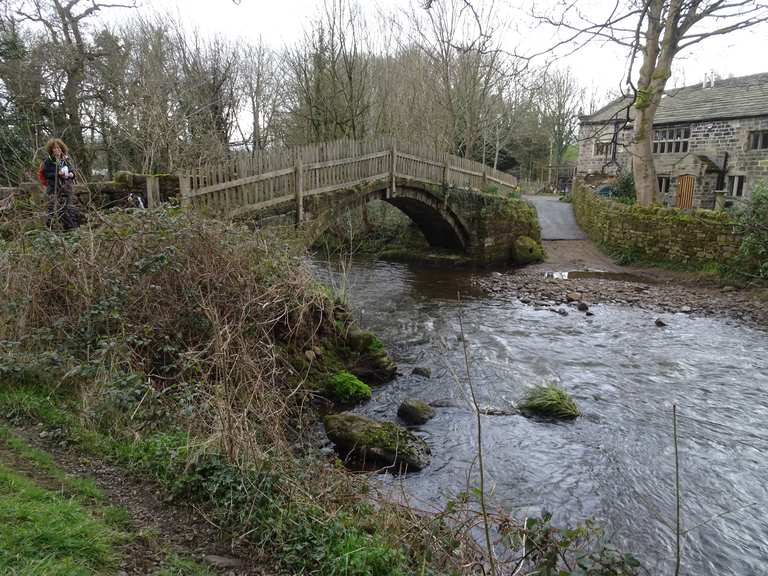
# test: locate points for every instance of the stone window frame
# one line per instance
(758, 140)
(665, 183)
(604, 148)
(672, 139)
(736, 185)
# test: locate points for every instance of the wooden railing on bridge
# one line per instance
(251, 182)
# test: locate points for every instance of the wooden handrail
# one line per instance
(248, 183)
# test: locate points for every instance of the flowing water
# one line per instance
(616, 462)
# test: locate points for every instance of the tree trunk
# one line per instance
(646, 184)
(74, 135)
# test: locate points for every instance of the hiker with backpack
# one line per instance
(59, 175)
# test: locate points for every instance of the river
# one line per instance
(615, 463)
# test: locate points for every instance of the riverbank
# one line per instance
(577, 272)
(194, 356)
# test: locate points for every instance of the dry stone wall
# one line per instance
(656, 234)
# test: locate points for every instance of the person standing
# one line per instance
(60, 175)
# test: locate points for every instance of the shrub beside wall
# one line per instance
(655, 233)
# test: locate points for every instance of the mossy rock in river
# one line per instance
(377, 443)
(415, 411)
(528, 251)
(550, 401)
(372, 364)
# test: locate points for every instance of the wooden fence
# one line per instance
(252, 182)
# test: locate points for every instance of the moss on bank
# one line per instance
(346, 388)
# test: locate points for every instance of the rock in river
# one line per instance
(415, 411)
(422, 371)
(382, 443)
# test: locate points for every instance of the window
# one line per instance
(758, 140)
(663, 184)
(736, 185)
(604, 149)
(671, 140)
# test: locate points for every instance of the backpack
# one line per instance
(41, 174)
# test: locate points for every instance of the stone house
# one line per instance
(709, 139)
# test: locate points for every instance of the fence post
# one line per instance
(153, 191)
(446, 173)
(299, 189)
(485, 180)
(393, 171)
(185, 189)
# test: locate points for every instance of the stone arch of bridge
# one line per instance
(442, 227)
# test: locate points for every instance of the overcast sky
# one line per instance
(282, 22)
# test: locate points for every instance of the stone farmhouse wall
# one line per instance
(589, 162)
(711, 138)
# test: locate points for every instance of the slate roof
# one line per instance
(742, 97)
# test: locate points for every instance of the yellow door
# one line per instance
(685, 185)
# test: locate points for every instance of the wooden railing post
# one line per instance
(485, 180)
(393, 171)
(185, 189)
(299, 190)
(446, 173)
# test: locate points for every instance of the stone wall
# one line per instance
(107, 194)
(656, 234)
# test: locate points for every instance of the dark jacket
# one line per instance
(51, 169)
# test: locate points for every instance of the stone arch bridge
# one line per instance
(458, 204)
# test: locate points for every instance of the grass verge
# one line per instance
(47, 534)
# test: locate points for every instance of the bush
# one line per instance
(625, 188)
(168, 313)
(550, 401)
(346, 388)
(752, 220)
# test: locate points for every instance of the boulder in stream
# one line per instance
(378, 443)
(422, 371)
(415, 411)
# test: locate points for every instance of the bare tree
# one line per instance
(261, 91)
(71, 52)
(469, 69)
(329, 75)
(561, 98)
(654, 32)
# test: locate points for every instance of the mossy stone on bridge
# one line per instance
(528, 251)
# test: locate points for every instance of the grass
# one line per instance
(46, 534)
(551, 401)
(82, 487)
(303, 533)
